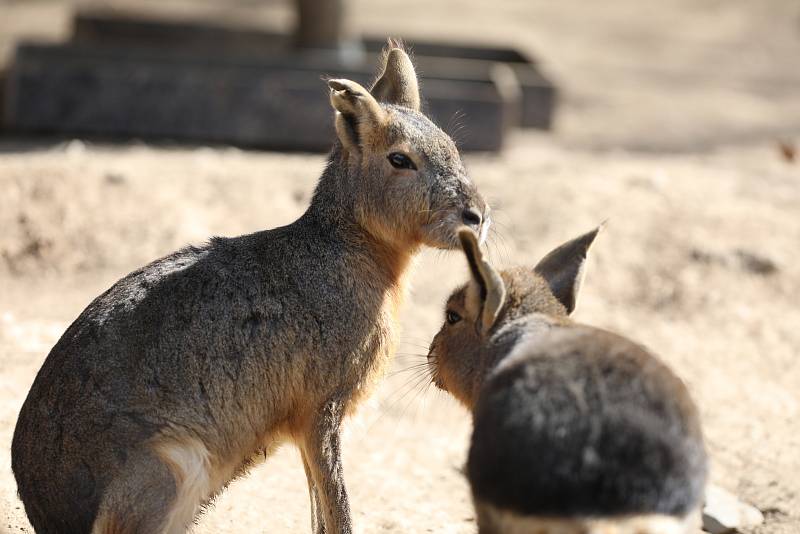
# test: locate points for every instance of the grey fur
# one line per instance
(172, 382)
(571, 423)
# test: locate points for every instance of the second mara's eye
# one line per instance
(452, 317)
(401, 161)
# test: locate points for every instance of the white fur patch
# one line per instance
(484, 231)
(533, 328)
(190, 463)
(496, 520)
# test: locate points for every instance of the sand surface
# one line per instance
(668, 128)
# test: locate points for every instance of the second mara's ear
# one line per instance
(564, 268)
(397, 84)
(492, 288)
(358, 113)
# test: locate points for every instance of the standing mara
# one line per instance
(173, 381)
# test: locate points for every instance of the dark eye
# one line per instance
(452, 317)
(401, 161)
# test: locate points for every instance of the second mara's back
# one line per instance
(577, 430)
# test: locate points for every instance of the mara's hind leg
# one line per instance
(158, 491)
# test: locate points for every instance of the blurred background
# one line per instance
(676, 120)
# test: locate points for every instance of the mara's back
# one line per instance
(584, 423)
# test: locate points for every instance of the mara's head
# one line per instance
(493, 304)
(404, 176)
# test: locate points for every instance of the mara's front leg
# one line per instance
(317, 519)
(323, 459)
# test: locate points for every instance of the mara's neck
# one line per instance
(332, 212)
(331, 204)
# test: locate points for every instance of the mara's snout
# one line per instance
(443, 226)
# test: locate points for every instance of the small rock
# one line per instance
(706, 257)
(115, 178)
(787, 151)
(724, 513)
(755, 263)
(75, 148)
(741, 259)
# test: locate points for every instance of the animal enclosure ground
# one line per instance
(668, 128)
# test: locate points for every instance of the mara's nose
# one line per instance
(472, 218)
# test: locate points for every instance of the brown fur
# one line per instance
(191, 369)
(458, 364)
(110, 524)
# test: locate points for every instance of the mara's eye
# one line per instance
(452, 317)
(401, 161)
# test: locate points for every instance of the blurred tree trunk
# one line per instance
(321, 24)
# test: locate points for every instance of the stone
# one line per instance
(724, 513)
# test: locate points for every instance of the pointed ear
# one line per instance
(564, 268)
(397, 84)
(492, 288)
(358, 114)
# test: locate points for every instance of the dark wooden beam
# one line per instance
(538, 94)
(276, 101)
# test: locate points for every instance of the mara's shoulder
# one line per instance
(553, 340)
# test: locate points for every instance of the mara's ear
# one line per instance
(490, 283)
(564, 268)
(358, 114)
(397, 84)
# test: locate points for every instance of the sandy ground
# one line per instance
(668, 128)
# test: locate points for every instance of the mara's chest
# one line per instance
(381, 333)
(372, 358)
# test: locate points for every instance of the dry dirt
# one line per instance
(668, 128)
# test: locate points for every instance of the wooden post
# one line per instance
(321, 24)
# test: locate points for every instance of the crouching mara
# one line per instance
(171, 383)
(576, 430)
